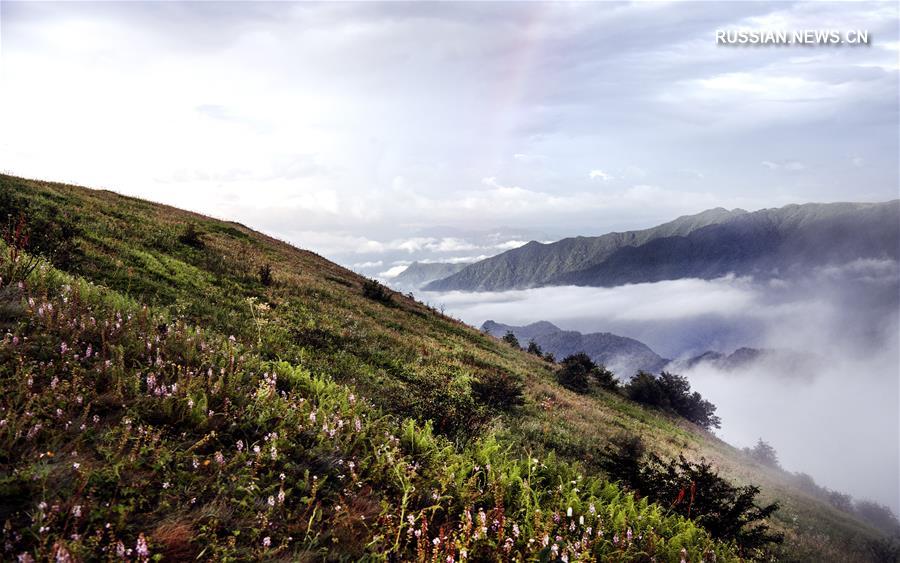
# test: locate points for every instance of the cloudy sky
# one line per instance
(378, 133)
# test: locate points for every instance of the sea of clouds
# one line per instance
(838, 421)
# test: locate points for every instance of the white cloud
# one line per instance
(791, 165)
(662, 301)
(529, 158)
(375, 264)
(596, 173)
(510, 244)
(393, 272)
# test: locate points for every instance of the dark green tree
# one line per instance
(511, 339)
(672, 393)
(578, 371)
(575, 372)
(763, 453)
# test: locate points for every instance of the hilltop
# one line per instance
(186, 387)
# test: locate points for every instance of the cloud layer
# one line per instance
(840, 422)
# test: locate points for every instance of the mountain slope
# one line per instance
(624, 356)
(142, 370)
(536, 263)
(770, 242)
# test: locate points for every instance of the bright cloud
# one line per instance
(600, 174)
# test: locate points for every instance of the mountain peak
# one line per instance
(706, 245)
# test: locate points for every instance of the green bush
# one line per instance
(499, 390)
(265, 274)
(672, 393)
(377, 292)
(578, 372)
(40, 227)
(191, 236)
(694, 490)
(511, 339)
(763, 453)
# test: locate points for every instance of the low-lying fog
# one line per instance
(841, 423)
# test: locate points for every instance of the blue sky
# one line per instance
(378, 133)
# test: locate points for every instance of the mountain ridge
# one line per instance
(624, 356)
(419, 274)
(709, 244)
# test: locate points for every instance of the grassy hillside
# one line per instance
(159, 390)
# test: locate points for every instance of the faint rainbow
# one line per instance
(518, 76)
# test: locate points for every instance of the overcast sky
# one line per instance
(381, 133)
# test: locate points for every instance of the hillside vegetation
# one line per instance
(176, 387)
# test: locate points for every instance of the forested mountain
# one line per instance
(767, 243)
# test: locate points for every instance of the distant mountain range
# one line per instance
(624, 356)
(419, 274)
(798, 364)
(767, 243)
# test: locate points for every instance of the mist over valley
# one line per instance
(821, 385)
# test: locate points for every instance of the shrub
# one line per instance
(763, 453)
(50, 231)
(841, 501)
(191, 237)
(672, 393)
(377, 292)
(622, 459)
(694, 490)
(534, 348)
(887, 549)
(511, 339)
(605, 378)
(19, 265)
(265, 275)
(878, 515)
(576, 371)
(498, 389)
(579, 370)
